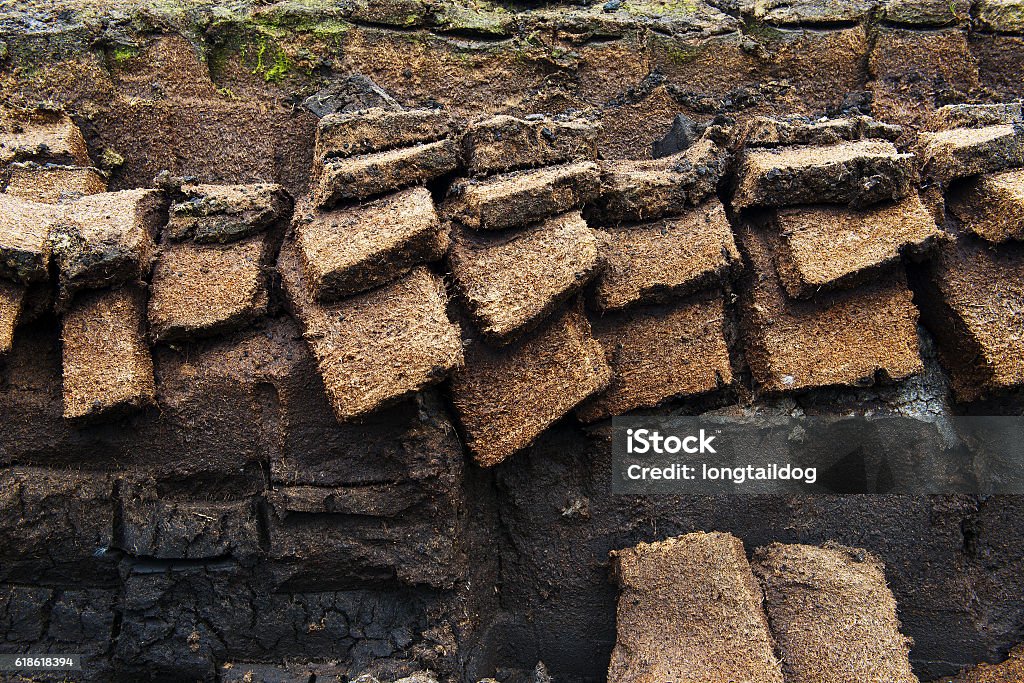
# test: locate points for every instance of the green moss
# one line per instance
(123, 53)
(666, 8)
(279, 69)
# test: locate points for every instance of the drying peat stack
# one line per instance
(520, 253)
(658, 305)
(375, 318)
(57, 217)
(972, 296)
(211, 274)
(690, 609)
(825, 227)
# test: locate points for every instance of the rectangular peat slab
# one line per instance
(517, 199)
(505, 397)
(376, 348)
(107, 364)
(842, 338)
(350, 250)
(666, 259)
(512, 280)
(832, 247)
(690, 610)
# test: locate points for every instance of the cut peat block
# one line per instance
(511, 281)
(661, 352)
(107, 366)
(690, 610)
(24, 239)
(656, 262)
(523, 197)
(361, 177)
(106, 239)
(992, 206)
(633, 191)
(975, 115)
(377, 130)
(973, 302)
(1010, 671)
(504, 143)
(832, 615)
(950, 154)
(201, 290)
(376, 348)
(856, 173)
(225, 213)
(832, 247)
(842, 338)
(12, 299)
(766, 131)
(353, 249)
(53, 184)
(43, 136)
(506, 397)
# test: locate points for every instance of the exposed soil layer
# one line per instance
(284, 483)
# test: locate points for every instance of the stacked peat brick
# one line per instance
(100, 244)
(355, 274)
(520, 253)
(658, 306)
(56, 218)
(972, 296)
(827, 212)
(692, 608)
(211, 274)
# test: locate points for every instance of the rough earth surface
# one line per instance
(210, 518)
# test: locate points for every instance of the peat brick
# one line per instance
(767, 131)
(53, 184)
(12, 300)
(973, 302)
(658, 353)
(42, 136)
(378, 130)
(106, 239)
(992, 206)
(361, 177)
(665, 259)
(831, 247)
(506, 397)
(690, 610)
(523, 197)
(202, 290)
(24, 239)
(649, 189)
(376, 348)
(857, 173)
(511, 281)
(842, 338)
(975, 115)
(226, 213)
(99, 327)
(55, 526)
(504, 143)
(950, 154)
(354, 249)
(832, 615)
